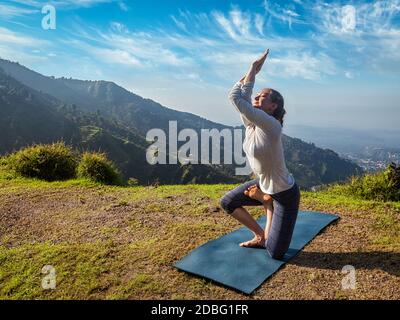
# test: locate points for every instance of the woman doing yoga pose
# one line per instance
(263, 119)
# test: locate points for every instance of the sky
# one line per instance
(337, 63)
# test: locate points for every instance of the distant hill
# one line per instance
(345, 140)
(28, 116)
(310, 163)
(110, 99)
(100, 115)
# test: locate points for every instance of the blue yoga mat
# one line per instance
(245, 269)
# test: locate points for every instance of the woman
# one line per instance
(263, 120)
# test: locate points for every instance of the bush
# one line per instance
(96, 167)
(3, 161)
(383, 186)
(45, 161)
(133, 182)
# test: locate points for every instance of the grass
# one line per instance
(385, 215)
(79, 270)
(115, 242)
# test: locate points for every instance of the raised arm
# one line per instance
(240, 96)
(255, 68)
(250, 76)
(243, 92)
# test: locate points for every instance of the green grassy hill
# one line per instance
(109, 242)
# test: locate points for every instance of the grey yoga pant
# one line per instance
(286, 207)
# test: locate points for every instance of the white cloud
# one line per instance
(24, 49)
(335, 19)
(207, 52)
(370, 18)
(15, 54)
(64, 4)
(303, 65)
(241, 26)
(291, 13)
(146, 47)
(227, 59)
(259, 22)
(178, 23)
(123, 6)
(119, 27)
(202, 46)
(349, 75)
(120, 45)
(13, 38)
(114, 56)
(225, 24)
(284, 14)
(372, 38)
(241, 21)
(9, 11)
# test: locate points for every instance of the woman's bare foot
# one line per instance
(255, 192)
(256, 242)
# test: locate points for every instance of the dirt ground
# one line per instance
(145, 230)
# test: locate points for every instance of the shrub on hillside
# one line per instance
(383, 186)
(45, 161)
(133, 182)
(3, 161)
(96, 167)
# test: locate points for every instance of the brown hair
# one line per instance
(279, 113)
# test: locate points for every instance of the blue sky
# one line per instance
(337, 63)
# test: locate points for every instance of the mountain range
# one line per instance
(102, 116)
(345, 140)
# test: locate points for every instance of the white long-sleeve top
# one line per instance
(262, 143)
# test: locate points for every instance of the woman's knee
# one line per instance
(227, 204)
(277, 252)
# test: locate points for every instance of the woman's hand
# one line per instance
(257, 64)
(255, 68)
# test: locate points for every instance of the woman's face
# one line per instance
(262, 101)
